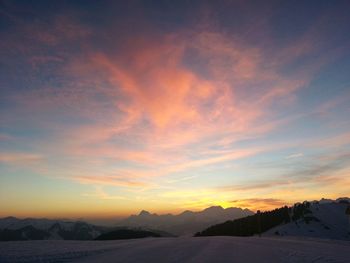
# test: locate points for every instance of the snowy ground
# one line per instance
(183, 249)
(332, 223)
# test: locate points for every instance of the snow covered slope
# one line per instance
(326, 220)
(182, 249)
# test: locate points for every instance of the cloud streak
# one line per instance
(18, 158)
(260, 203)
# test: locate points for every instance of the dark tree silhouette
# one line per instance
(249, 225)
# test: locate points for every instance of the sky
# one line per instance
(111, 107)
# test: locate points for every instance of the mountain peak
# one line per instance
(186, 212)
(144, 213)
(10, 218)
(214, 208)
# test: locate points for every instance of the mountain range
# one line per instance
(321, 219)
(186, 223)
(12, 228)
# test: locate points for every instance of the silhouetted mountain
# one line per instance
(187, 222)
(12, 228)
(126, 234)
(78, 231)
(343, 200)
(325, 218)
(24, 233)
(144, 213)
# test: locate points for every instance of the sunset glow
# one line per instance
(111, 107)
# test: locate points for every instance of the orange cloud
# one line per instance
(260, 203)
(255, 186)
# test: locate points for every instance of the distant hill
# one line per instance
(15, 229)
(24, 233)
(12, 228)
(323, 219)
(186, 223)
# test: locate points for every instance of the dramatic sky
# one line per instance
(110, 107)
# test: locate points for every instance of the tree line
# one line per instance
(259, 222)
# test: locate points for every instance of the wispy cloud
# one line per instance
(128, 102)
(20, 158)
(268, 184)
(101, 194)
(162, 106)
(109, 180)
(294, 155)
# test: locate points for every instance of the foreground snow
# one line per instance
(183, 249)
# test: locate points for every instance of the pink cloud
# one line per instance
(109, 180)
(151, 96)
